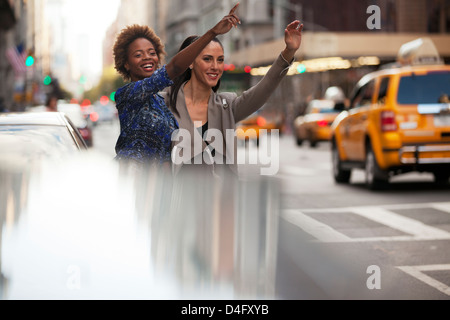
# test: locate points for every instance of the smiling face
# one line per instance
(142, 59)
(209, 64)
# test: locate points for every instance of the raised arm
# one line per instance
(293, 39)
(255, 97)
(184, 58)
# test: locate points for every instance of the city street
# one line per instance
(332, 237)
(345, 229)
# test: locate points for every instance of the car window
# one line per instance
(424, 89)
(364, 95)
(321, 106)
(382, 93)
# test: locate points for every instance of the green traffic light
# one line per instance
(47, 80)
(301, 68)
(112, 97)
(83, 80)
(30, 61)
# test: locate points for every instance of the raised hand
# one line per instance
(293, 39)
(293, 35)
(227, 22)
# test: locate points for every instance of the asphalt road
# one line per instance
(346, 242)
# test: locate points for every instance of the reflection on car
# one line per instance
(85, 228)
(26, 137)
(398, 121)
(76, 115)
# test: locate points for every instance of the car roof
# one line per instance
(321, 104)
(402, 70)
(33, 118)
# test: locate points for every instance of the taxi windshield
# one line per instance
(424, 89)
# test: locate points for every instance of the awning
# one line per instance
(7, 17)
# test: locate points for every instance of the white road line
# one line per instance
(416, 230)
(442, 206)
(322, 232)
(417, 272)
(419, 230)
(297, 171)
(406, 206)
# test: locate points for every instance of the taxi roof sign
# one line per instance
(419, 52)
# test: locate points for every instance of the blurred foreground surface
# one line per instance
(86, 229)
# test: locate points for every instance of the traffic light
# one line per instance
(29, 61)
(83, 80)
(47, 80)
(113, 96)
(301, 68)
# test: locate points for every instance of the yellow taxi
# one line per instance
(315, 125)
(256, 124)
(398, 120)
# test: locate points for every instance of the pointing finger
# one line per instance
(234, 8)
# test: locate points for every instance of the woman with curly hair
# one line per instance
(146, 124)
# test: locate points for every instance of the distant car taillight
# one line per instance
(388, 121)
(260, 121)
(94, 116)
(322, 123)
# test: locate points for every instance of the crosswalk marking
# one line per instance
(419, 230)
(442, 206)
(415, 230)
(417, 272)
(315, 228)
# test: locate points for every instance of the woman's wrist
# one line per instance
(288, 55)
(211, 33)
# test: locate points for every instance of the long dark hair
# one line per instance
(178, 81)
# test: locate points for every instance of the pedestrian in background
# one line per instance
(146, 125)
(51, 105)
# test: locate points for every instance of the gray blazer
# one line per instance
(225, 109)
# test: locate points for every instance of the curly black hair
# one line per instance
(125, 38)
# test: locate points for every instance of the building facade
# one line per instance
(350, 30)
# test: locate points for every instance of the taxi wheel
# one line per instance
(340, 175)
(375, 177)
(441, 178)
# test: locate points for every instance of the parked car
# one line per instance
(398, 121)
(26, 137)
(105, 113)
